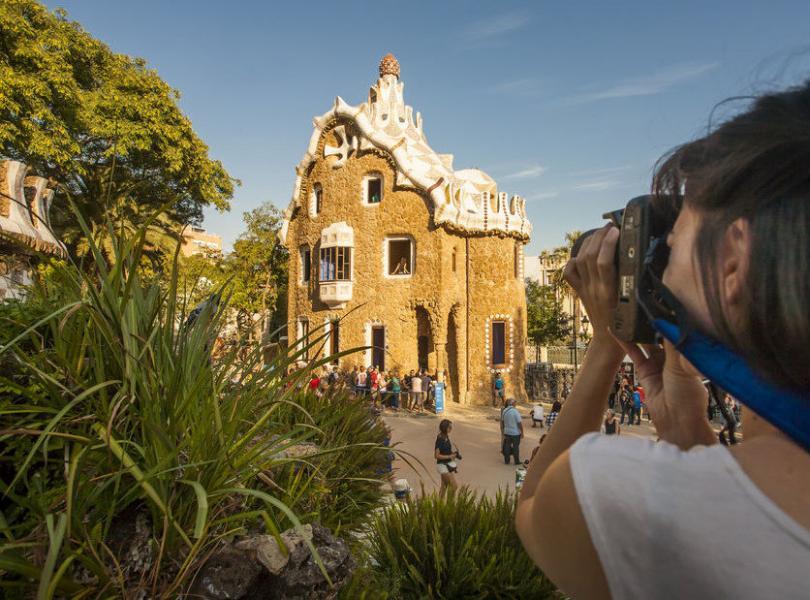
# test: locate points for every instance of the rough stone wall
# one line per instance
(437, 290)
(497, 294)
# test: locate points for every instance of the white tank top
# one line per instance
(672, 524)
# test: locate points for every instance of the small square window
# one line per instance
(374, 190)
(400, 258)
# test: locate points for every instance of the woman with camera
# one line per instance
(696, 519)
(446, 457)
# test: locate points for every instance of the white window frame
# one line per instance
(509, 340)
(398, 238)
(366, 178)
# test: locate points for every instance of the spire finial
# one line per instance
(389, 65)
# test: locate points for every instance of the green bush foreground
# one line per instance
(128, 454)
(454, 546)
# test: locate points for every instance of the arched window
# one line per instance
(373, 189)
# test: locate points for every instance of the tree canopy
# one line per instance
(546, 320)
(103, 125)
(255, 272)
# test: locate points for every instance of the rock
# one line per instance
(257, 568)
(228, 574)
(267, 551)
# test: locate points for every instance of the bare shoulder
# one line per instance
(554, 532)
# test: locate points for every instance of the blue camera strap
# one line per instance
(786, 410)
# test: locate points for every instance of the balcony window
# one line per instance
(336, 264)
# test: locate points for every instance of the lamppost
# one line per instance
(575, 335)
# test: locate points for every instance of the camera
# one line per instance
(641, 257)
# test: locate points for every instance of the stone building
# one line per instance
(394, 250)
(25, 226)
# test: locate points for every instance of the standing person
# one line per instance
(416, 392)
(633, 518)
(382, 388)
(636, 412)
(395, 389)
(408, 395)
(362, 376)
(314, 382)
(427, 387)
(611, 424)
(445, 456)
(625, 400)
(498, 390)
(512, 431)
(538, 415)
(552, 416)
(354, 380)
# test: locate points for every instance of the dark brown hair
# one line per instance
(756, 166)
(444, 426)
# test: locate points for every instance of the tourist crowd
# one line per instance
(415, 392)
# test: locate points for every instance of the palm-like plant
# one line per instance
(113, 414)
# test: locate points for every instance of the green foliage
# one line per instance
(112, 410)
(256, 271)
(453, 546)
(343, 483)
(546, 320)
(104, 126)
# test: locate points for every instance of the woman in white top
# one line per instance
(625, 517)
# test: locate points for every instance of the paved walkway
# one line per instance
(476, 433)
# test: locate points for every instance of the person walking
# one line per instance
(408, 395)
(625, 400)
(446, 457)
(512, 431)
(498, 390)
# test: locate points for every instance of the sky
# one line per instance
(568, 104)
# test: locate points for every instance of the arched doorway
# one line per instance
(453, 384)
(424, 341)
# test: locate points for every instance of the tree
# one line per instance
(258, 267)
(105, 127)
(547, 322)
(255, 274)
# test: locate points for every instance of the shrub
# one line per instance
(343, 480)
(454, 546)
(127, 454)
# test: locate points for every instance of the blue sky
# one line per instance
(568, 104)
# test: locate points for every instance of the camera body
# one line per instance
(641, 256)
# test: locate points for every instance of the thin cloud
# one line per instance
(595, 186)
(650, 85)
(535, 171)
(495, 26)
(543, 196)
(598, 172)
(523, 87)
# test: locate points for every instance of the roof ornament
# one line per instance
(389, 65)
